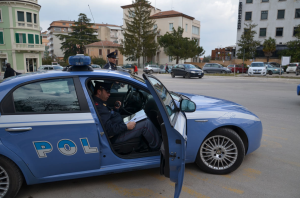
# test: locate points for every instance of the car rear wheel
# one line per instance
(270, 72)
(223, 72)
(150, 72)
(221, 152)
(187, 75)
(172, 74)
(237, 71)
(10, 178)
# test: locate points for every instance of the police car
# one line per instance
(50, 129)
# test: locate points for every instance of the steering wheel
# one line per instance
(127, 97)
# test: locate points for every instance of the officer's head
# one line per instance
(112, 57)
(7, 65)
(102, 90)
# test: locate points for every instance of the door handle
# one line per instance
(21, 129)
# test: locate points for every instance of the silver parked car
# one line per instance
(50, 67)
(152, 69)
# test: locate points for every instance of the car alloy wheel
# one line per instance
(150, 72)
(223, 72)
(10, 178)
(172, 74)
(187, 75)
(270, 72)
(221, 152)
(237, 71)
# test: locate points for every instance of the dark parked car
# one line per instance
(238, 68)
(187, 71)
(215, 68)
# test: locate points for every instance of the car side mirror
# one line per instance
(187, 106)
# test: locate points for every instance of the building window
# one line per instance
(20, 16)
(57, 29)
(0, 15)
(35, 18)
(100, 52)
(170, 26)
(248, 16)
(154, 26)
(64, 23)
(249, 1)
(20, 38)
(263, 32)
(1, 38)
(295, 29)
(280, 14)
(28, 16)
(108, 51)
(195, 30)
(70, 24)
(186, 27)
(297, 13)
(265, 1)
(279, 31)
(37, 39)
(30, 39)
(170, 58)
(57, 95)
(264, 15)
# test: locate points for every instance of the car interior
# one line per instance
(137, 104)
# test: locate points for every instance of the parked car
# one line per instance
(215, 68)
(292, 68)
(95, 66)
(238, 68)
(170, 68)
(186, 71)
(275, 64)
(120, 68)
(273, 70)
(257, 68)
(50, 129)
(162, 69)
(129, 66)
(149, 69)
(50, 67)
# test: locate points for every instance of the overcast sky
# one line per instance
(218, 18)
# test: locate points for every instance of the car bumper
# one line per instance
(196, 74)
(257, 74)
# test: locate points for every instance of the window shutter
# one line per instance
(37, 41)
(17, 38)
(1, 38)
(30, 39)
(24, 38)
(41, 40)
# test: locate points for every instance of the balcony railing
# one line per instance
(29, 47)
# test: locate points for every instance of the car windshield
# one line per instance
(57, 67)
(138, 78)
(189, 66)
(292, 65)
(257, 65)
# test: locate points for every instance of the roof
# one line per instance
(170, 13)
(72, 22)
(103, 43)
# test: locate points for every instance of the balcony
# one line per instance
(29, 47)
(33, 1)
(112, 35)
(50, 37)
(50, 43)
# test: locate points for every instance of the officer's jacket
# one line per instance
(113, 66)
(111, 119)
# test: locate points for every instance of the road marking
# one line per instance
(217, 184)
(135, 192)
(251, 173)
(275, 137)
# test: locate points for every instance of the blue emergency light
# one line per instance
(79, 60)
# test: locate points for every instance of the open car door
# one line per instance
(173, 129)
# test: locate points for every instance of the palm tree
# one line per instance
(269, 46)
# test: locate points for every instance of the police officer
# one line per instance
(112, 59)
(114, 124)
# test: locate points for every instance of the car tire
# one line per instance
(221, 143)
(10, 172)
(270, 72)
(237, 71)
(187, 75)
(172, 74)
(287, 72)
(205, 72)
(223, 72)
(200, 76)
(150, 72)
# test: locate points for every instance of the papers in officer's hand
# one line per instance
(138, 116)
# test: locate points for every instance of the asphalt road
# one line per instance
(272, 171)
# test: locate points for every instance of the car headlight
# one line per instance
(193, 72)
(275, 69)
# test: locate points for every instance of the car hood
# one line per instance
(256, 68)
(210, 107)
(196, 70)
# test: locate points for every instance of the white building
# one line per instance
(274, 18)
(165, 21)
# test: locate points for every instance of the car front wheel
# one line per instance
(237, 71)
(187, 75)
(221, 152)
(223, 72)
(150, 72)
(172, 74)
(270, 72)
(10, 178)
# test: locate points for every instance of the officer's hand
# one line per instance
(131, 125)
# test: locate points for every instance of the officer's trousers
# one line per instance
(143, 128)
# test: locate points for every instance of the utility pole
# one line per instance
(243, 60)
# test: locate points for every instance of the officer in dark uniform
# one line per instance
(112, 59)
(114, 124)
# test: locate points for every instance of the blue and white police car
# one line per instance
(50, 129)
(298, 90)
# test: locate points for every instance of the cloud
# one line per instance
(218, 17)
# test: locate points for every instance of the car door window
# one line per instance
(50, 68)
(57, 95)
